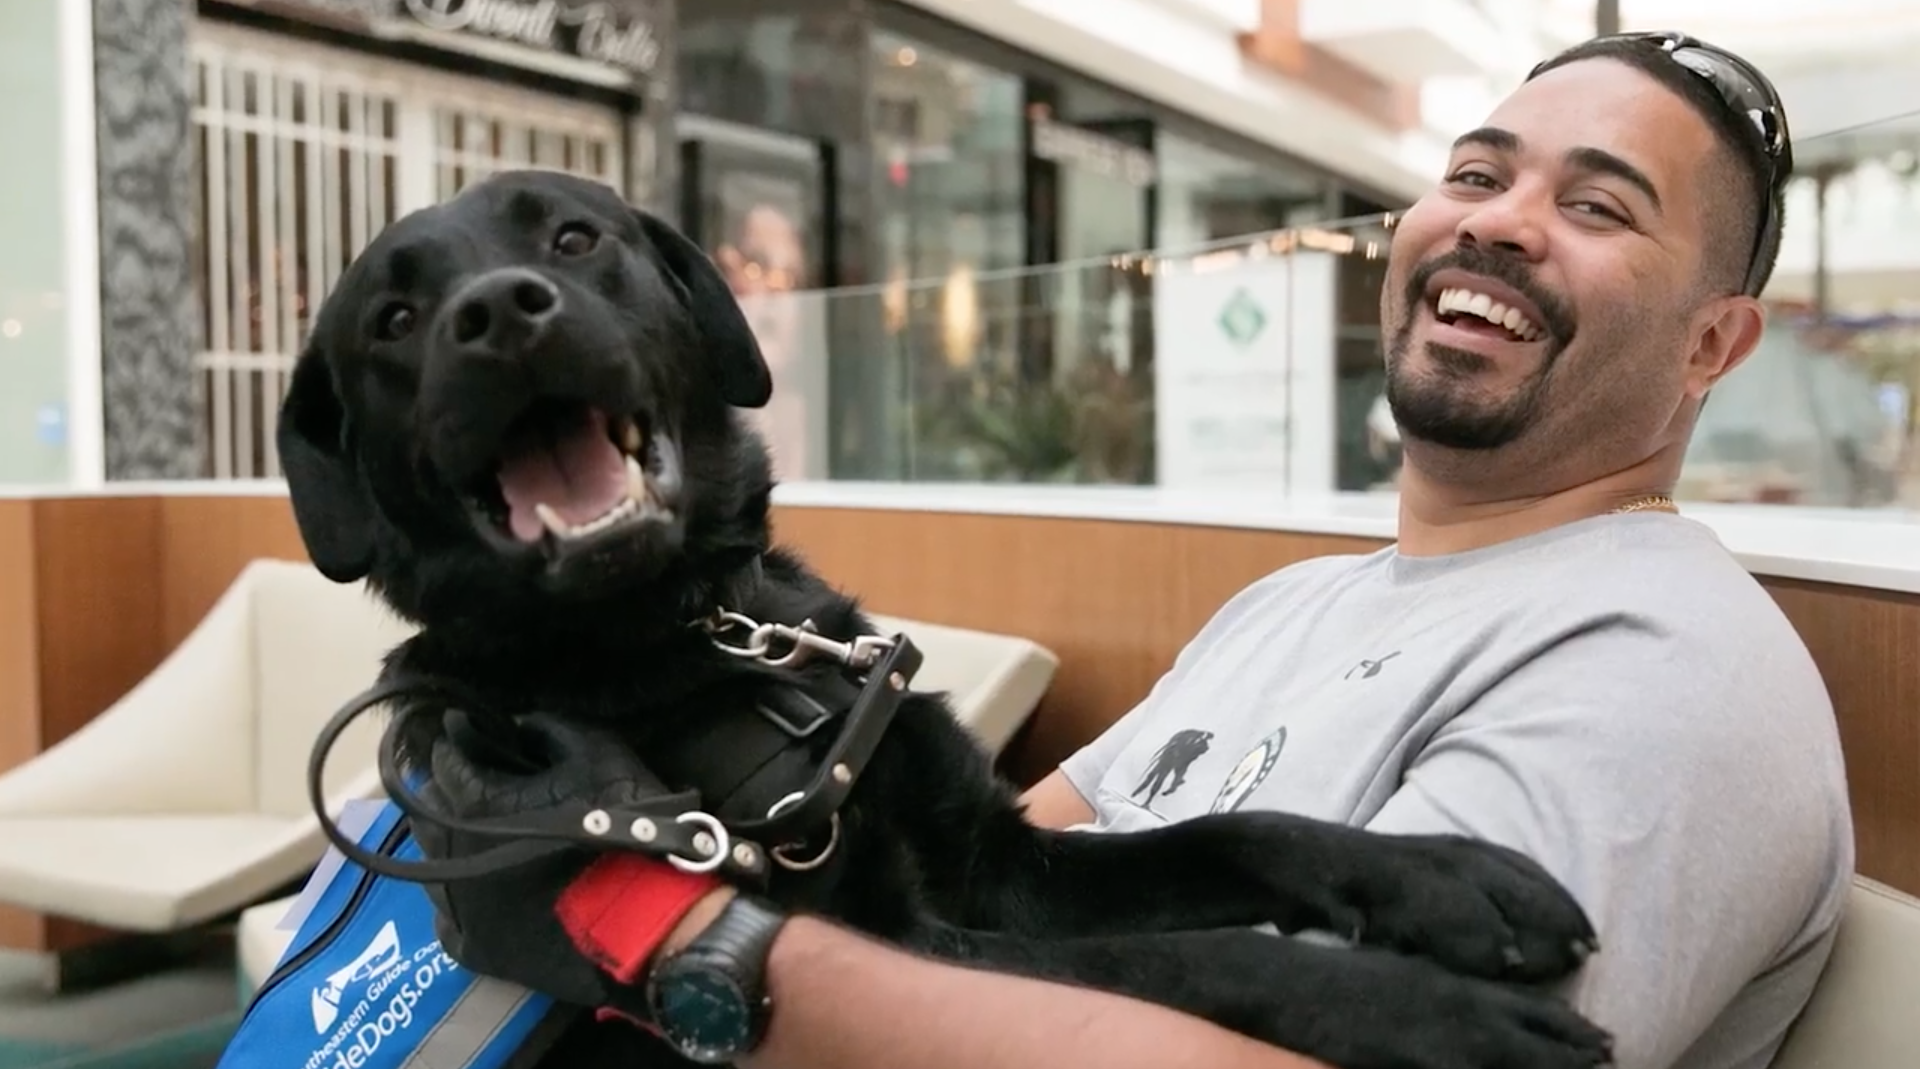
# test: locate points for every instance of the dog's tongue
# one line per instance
(575, 471)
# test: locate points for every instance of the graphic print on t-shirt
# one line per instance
(1168, 769)
(1251, 772)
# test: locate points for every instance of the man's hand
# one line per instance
(547, 924)
(549, 763)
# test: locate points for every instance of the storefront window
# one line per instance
(771, 135)
(947, 146)
(774, 71)
(1207, 195)
(1367, 449)
(1092, 199)
(1101, 146)
(33, 258)
(950, 221)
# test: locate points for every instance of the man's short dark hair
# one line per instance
(1732, 223)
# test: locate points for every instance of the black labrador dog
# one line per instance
(516, 418)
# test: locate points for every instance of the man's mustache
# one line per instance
(1556, 318)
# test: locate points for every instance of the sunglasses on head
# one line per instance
(1753, 99)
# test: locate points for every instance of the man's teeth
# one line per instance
(1454, 301)
(641, 501)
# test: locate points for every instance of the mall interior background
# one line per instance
(1122, 242)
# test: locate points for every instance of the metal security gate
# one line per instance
(305, 153)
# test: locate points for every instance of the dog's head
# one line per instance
(521, 403)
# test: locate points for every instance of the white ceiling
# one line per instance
(1846, 68)
(1160, 52)
(1782, 34)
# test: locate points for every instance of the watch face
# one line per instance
(703, 1012)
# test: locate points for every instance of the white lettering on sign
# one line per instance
(604, 40)
(593, 31)
(523, 23)
(1064, 143)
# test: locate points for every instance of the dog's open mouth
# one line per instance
(570, 472)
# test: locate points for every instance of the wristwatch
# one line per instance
(709, 1001)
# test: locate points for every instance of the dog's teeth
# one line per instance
(631, 442)
(552, 520)
(638, 502)
(638, 490)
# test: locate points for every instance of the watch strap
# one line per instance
(741, 935)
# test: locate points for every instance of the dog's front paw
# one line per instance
(1471, 906)
(1388, 1012)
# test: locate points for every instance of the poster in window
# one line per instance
(760, 218)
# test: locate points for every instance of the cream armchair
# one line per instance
(994, 682)
(186, 800)
(1863, 1013)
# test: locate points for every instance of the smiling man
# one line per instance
(1550, 657)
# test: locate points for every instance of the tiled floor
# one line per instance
(38, 1029)
(28, 1055)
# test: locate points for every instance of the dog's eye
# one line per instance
(575, 240)
(395, 322)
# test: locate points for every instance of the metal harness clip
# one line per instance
(802, 643)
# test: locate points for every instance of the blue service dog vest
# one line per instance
(365, 985)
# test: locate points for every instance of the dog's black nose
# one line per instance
(502, 308)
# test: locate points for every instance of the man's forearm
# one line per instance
(842, 1001)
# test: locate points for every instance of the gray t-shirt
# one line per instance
(1617, 698)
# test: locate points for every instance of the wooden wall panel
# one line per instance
(93, 592)
(79, 626)
(99, 574)
(204, 542)
(19, 675)
(1867, 643)
(19, 636)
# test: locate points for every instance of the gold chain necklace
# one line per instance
(1650, 503)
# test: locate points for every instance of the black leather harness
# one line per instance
(742, 756)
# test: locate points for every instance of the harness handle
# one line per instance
(672, 825)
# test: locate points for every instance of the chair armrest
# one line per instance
(993, 681)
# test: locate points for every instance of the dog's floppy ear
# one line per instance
(329, 501)
(738, 364)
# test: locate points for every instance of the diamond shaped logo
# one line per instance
(1241, 319)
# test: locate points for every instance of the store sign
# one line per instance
(1242, 319)
(598, 32)
(595, 32)
(1069, 144)
(1244, 375)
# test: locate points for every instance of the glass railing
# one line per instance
(1255, 362)
(1224, 363)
